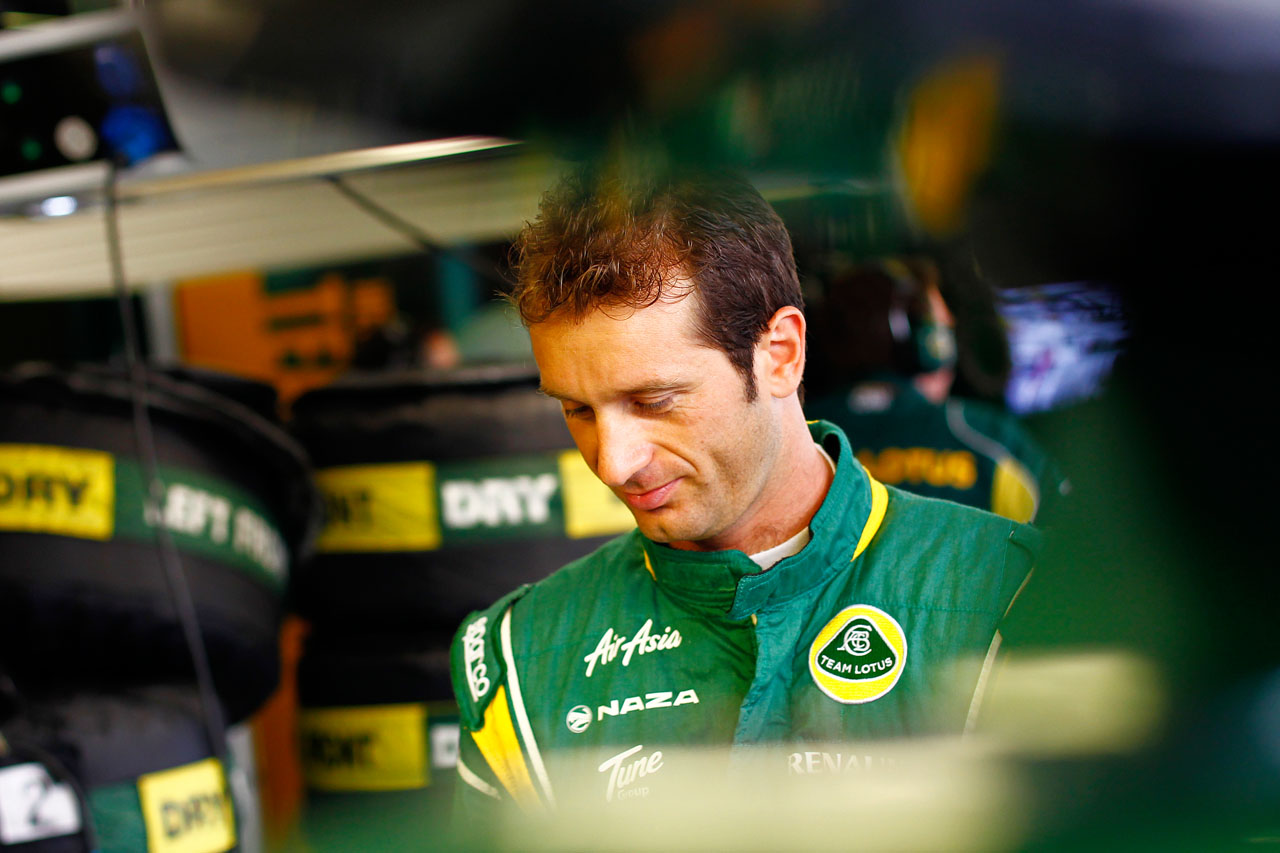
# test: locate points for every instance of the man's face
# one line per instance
(662, 419)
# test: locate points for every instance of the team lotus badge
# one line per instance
(858, 656)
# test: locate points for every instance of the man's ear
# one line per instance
(782, 350)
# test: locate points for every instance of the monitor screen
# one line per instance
(1063, 340)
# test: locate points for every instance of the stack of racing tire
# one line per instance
(442, 492)
(107, 741)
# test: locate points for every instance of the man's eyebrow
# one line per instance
(656, 387)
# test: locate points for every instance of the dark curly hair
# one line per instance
(612, 242)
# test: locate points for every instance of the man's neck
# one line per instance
(799, 484)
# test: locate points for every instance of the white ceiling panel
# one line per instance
(270, 217)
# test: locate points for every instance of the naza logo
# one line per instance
(579, 716)
(661, 699)
(578, 719)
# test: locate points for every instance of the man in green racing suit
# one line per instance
(888, 339)
(773, 593)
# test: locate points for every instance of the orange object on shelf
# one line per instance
(296, 339)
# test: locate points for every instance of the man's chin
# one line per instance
(666, 531)
(656, 528)
(653, 531)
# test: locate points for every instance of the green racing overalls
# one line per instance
(637, 648)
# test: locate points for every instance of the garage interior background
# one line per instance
(325, 175)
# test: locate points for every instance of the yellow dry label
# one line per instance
(590, 508)
(187, 809)
(63, 490)
(390, 507)
(370, 748)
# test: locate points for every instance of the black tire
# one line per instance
(98, 609)
(373, 669)
(485, 418)
(63, 625)
(435, 589)
(441, 416)
(362, 699)
(113, 746)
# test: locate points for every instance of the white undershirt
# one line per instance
(767, 558)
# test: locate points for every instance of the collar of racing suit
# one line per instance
(729, 584)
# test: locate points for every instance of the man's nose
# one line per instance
(622, 450)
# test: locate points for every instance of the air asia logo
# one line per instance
(473, 658)
(643, 642)
(579, 717)
(858, 656)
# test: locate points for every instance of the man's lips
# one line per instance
(651, 499)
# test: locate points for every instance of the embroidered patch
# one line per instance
(858, 656)
(473, 657)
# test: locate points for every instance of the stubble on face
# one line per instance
(729, 508)
(722, 449)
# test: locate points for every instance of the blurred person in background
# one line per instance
(403, 344)
(773, 593)
(887, 337)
